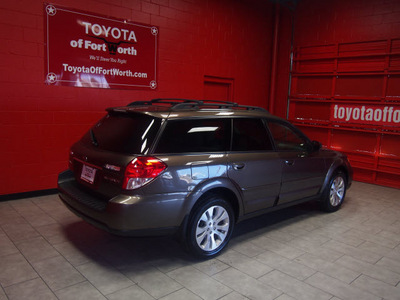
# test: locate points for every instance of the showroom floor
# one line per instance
(299, 253)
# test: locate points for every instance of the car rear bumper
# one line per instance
(129, 215)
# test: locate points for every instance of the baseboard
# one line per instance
(31, 194)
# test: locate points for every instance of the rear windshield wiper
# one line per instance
(93, 138)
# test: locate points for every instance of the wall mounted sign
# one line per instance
(366, 114)
(87, 50)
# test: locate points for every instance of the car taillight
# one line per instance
(142, 170)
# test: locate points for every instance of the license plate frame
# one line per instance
(88, 174)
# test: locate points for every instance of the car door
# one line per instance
(253, 164)
(303, 170)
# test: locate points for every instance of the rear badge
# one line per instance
(112, 167)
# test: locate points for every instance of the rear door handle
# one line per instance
(289, 162)
(238, 166)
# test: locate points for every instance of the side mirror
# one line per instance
(316, 146)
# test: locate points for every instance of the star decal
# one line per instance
(51, 10)
(51, 78)
(153, 85)
(154, 30)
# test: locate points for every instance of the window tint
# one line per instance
(200, 135)
(250, 135)
(285, 138)
(124, 133)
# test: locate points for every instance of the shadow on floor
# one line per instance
(107, 249)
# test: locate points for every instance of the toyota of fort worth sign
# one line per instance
(87, 50)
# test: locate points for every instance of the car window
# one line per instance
(250, 135)
(286, 138)
(124, 133)
(196, 135)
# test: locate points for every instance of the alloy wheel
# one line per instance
(212, 228)
(337, 191)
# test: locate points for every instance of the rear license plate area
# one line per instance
(88, 174)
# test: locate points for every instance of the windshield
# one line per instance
(121, 132)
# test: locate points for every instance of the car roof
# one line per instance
(171, 108)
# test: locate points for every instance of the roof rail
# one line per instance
(180, 104)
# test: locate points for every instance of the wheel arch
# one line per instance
(222, 187)
(225, 193)
(337, 166)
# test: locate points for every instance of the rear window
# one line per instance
(127, 133)
(197, 135)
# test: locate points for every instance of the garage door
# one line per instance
(347, 96)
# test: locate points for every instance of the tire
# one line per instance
(210, 227)
(334, 193)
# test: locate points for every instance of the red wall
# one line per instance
(198, 38)
(336, 21)
(229, 40)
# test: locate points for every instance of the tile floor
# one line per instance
(299, 253)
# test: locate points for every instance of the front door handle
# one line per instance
(238, 166)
